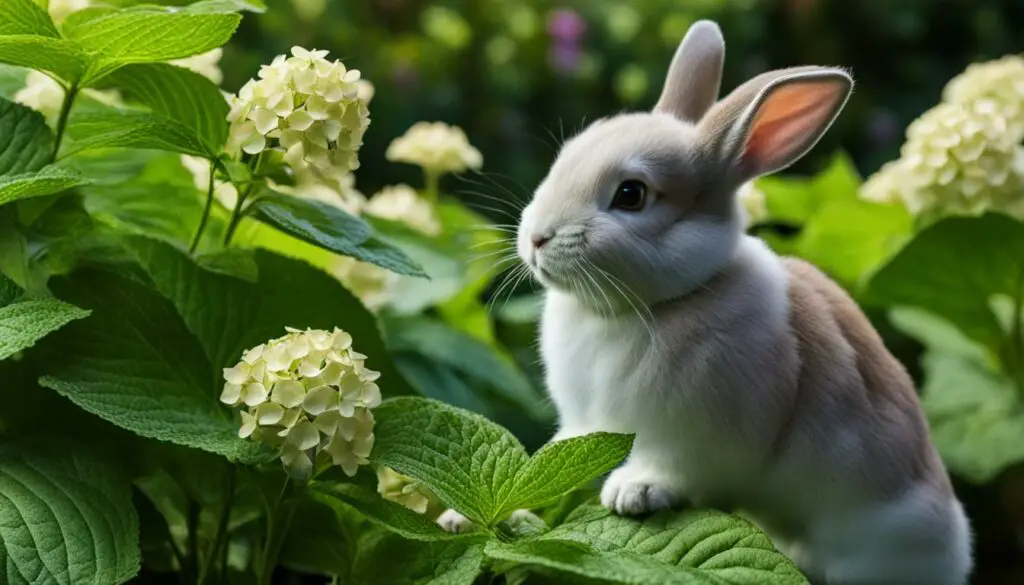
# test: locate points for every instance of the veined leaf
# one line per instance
(26, 142)
(67, 517)
(134, 363)
(468, 461)
(690, 547)
(59, 57)
(331, 228)
(25, 17)
(229, 315)
(132, 130)
(388, 559)
(220, 6)
(178, 94)
(48, 181)
(24, 323)
(152, 35)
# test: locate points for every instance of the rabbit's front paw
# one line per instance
(452, 521)
(630, 494)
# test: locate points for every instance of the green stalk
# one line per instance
(62, 121)
(221, 537)
(431, 189)
(237, 213)
(206, 211)
(272, 542)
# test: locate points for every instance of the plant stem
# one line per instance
(206, 211)
(192, 524)
(220, 540)
(62, 121)
(431, 180)
(237, 213)
(271, 544)
(1017, 337)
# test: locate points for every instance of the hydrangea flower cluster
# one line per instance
(403, 490)
(306, 105)
(206, 64)
(44, 95)
(402, 203)
(965, 154)
(308, 394)
(437, 147)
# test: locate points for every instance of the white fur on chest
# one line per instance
(678, 382)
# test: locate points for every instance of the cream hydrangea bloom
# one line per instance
(437, 147)
(305, 105)
(754, 203)
(402, 489)
(961, 157)
(60, 9)
(307, 393)
(1001, 81)
(206, 64)
(42, 94)
(371, 283)
(403, 204)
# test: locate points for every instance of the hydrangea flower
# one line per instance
(223, 191)
(961, 157)
(754, 204)
(372, 284)
(403, 490)
(403, 204)
(1001, 81)
(60, 9)
(41, 93)
(437, 147)
(206, 64)
(305, 105)
(308, 394)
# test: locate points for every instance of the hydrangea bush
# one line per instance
(226, 364)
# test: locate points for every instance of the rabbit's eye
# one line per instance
(630, 196)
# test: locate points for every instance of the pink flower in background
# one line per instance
(567, 29)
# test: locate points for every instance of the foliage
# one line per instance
(150, 250)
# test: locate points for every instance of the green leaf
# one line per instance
(67, 517)
(387, 559)
(132, 129)
(331, 228)
(59, 57)
(205, 6)
(322, 538)
(25, 17)
(442, 344)
(24, 323)
(48, 181)
(9, 290)
(362, 495)
(562, 466)
(953, 269)
(694, 546)
(150, 35)
(229, 315)
(797, 200)
(26, 143)
(178, 94)
(468, 461)
(976, 415)
(135, 364)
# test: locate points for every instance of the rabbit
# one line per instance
(752, 382)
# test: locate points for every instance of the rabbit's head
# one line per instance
(641, 207)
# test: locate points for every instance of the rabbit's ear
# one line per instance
(695, 76)
(771, 121)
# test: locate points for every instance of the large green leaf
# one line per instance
(954, 268)
(67, 517)
(467, 460)
(25, 322)
(26, 143)
(562, 466)
(229, 315)
(134, 363)
(444, 345)
(60, 57)
(976, 415)
(331, 228)
(362, 495)
(132, 129)
(690, 547)
(227, 6)
(387, 559)
(179, 94)
(796, 199)
(149, 35)
(25, 17)
(47, 181)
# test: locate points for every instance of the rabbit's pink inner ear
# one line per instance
(790, 121)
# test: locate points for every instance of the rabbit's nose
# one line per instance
(540, 239)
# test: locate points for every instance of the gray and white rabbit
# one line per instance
(751, 381)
